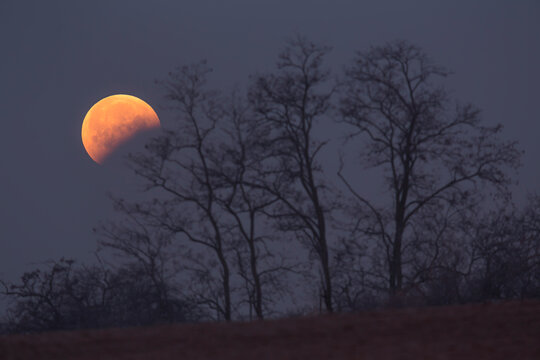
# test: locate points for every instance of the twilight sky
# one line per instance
(60, 57)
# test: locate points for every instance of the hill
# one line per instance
(479, 331)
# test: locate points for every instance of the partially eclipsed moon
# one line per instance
(114, 120)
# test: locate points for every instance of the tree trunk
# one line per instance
(257, 284)
(253, 265)
(226, 285)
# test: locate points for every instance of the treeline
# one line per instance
(244, 219)
(63, 296)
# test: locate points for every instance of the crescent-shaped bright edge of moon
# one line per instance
(114, 120)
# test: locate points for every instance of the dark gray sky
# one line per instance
(58, 58)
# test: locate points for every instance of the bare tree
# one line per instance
(290, 102)
(506, 254)
(65, 296)
(434, 154)
(438, 252)
(180, 166)
(43, 297)
(144, 248)
(245, 146)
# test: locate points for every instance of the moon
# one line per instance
(114, 120)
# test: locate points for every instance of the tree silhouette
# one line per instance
(64, 296)
(434, 154)
(506, 255)
(291, 101)
(180, 164)
(245, 148)
(147, 251)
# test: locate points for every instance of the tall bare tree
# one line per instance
(290, 102)
(180, 165)
(434, 153)
(245, 149)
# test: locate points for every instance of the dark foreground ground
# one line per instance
(491, 331)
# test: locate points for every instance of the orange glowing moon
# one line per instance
(114, 120)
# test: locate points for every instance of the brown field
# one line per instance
(480, 331)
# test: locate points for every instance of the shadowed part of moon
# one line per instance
(114, 120)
